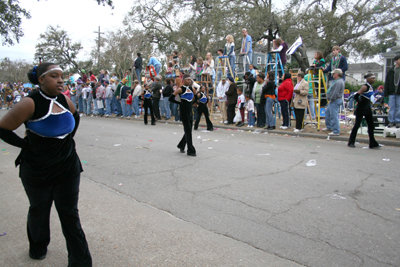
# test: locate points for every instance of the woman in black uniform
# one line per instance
(147, 104)
(363, 97)
(186, 94)
(49, 165)
(202, 108)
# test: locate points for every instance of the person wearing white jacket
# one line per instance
(135, 96)
(222, 88)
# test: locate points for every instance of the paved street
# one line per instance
(247, 199)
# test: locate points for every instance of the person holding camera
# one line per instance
(300, 101)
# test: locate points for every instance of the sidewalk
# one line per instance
(120, 231)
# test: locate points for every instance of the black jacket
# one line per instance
(250, 85)
(232, 94)
(156, 90)
(138, 63)
(390, 88)
(268, 89)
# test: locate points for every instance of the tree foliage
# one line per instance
(118, 49)
(363, 27)
(14, 71)
(190, 26)
(11, 15)
(56, 46)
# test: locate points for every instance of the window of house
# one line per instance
(258, 60)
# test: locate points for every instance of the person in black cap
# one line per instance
(184, 96)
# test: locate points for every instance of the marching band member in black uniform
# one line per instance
(185, 97)
(147, 104)
(202, 101)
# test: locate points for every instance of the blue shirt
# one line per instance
(153, 61)
(244, 46)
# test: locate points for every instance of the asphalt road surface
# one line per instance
(247, 199)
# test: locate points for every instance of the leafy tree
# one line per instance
(189, 26)
(11, 15)
(360, 26)
(56, 46)
(14, 71)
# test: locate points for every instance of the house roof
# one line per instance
(395, 50)
(364, 67)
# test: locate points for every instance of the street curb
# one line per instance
(301, 134)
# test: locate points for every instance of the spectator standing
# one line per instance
(308, 78)
(334, 96)
(157, 89)
(338, 61)
(300, 101)
(84, 76)
(222, 88)
(79, 95)
(280, 46)
(229, 51)
(363, 96)
(137, 92)
(241, 101)
(117, 95)
(232, 97)
(392, 90)
(257, 92)
(123, 95)
(246, 49)
(221, 65)
(250, 111)
(100, 93)
(285, 94)
(108, 97)
(73, 94)
(129, 101)
(192, 67)
(167, 92)
(268, 99)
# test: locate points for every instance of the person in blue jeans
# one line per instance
(268, 99)
(138, 66)
(250, 111)
(157, 65)
(334, 96)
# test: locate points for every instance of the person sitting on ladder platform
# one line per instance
(281, 47)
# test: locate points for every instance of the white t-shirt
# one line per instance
(228, 48)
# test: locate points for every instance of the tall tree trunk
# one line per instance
(301, 58)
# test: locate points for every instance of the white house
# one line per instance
(358, 70)
(390, 54)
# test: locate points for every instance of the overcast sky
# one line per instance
(80, 18)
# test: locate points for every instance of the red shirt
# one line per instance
(129, 100)
(285, 90)
(92, 78)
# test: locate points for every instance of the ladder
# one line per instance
(321, 85)
(274, 63)
(223, 61)
(241, 68)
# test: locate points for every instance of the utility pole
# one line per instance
(98, 48)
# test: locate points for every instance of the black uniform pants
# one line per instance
(147, 105)
(203, 109)
(65, 197)
(370, 123)
(187, 136)
(230, 113)
(156, 108)
(299, 113)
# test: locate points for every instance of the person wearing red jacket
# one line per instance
(285, 94)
